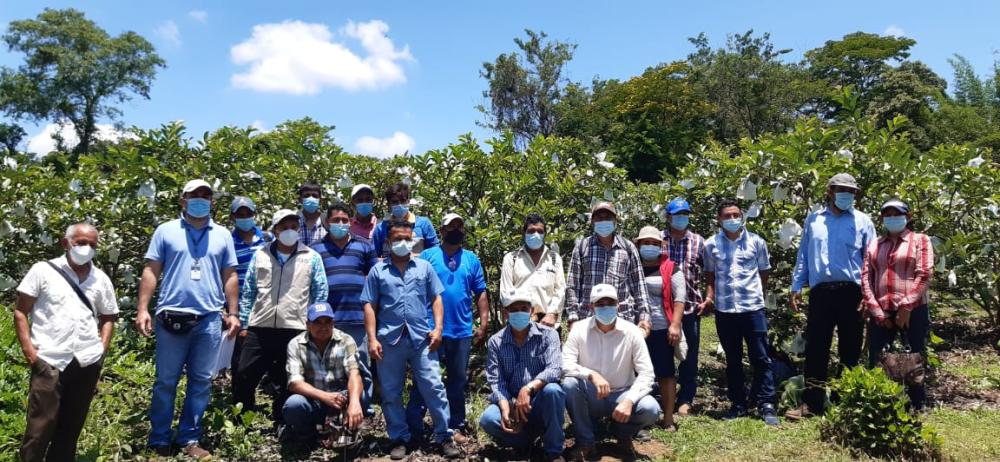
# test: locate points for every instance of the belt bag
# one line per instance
(178, 322)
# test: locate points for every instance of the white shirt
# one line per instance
(545, 282)
(62, 327)
(620, 356)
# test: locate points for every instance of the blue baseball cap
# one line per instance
(320, 310)
(678, 205)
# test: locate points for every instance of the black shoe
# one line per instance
(768, 415)
(449, 450)
(644, 435)
(735, 412)
(398, 451)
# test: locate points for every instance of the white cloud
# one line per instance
(198, 15)
(259, 126)
(302, 58)
(169, 32)
(42, 143)
(894, 30)
(398, 143)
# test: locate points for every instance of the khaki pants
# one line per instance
(57, 409)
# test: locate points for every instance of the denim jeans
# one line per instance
(547, 413)
(879, 338)
(302, 415)
(426, 375)
(687, 371)
(454, 355)
(586, 410)
(735, 329)
(357, 332)
(196, 353)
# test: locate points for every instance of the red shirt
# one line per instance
(897, 272)
(363, 228)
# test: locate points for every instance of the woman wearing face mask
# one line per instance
(538, 269)
(895, 278)
(666, 312)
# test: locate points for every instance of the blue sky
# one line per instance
(405, 74)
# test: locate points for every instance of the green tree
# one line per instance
(913, 90)
(74, 71)
(857, 60)
(525, 86)
(10, 136)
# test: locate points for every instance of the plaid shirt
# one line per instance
(308, 235)
(327, 370)
(687, 252)
(619, 266)
(737, 266)
(897, 272)
(510, 367)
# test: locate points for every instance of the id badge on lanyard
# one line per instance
(195, 271)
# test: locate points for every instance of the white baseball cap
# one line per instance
(195, 184)
(281, 215)
(603, 291)
(361, 187)
(450, 218)
(515, 295)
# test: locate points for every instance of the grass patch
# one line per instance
(982, 370)
(968, 435)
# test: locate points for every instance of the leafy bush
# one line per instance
(871, 417)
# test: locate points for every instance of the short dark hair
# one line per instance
(531, 219)
(726, 204)
(310, 186)
(393, 224)
(398, 190)
(338, 205)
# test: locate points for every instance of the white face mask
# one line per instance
(289, 237)
(402, 248)
(81, 254)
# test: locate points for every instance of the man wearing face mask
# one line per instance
(347, 259)
(311, 228)
(64, 319)
(737, 266)
(897, 273)
(401, 290)
(247, 239)
(198, 262)
(829, 261)
(424, 235)
(607, 258)
(608, 373)
(282, 280)
(685, 249)
(523, 368)
(464, 286)
(363, 222)
(537, 269)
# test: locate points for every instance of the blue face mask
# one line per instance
(606, 314)
(310, 204)
(895, 224)
(400, 210)
(604, 228)
(245, 224)
(534, 241)
(339, 230)
(732, 225)
(519, 319)
(843, 200)
(364, 209)
(649, 252)
(679, 222)
(198, 208)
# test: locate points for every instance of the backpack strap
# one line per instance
(76, 288)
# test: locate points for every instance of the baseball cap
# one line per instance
(320, 310)
(603, 291)
(678, 205)
(515, 295)
(604, 205)
(843, 179)
(450, 218)
(361, 187)
(242, 201)
(195, 184)
(649, 232)
(896, 204)
(281, 215)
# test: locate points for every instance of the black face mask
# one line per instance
(454, 237)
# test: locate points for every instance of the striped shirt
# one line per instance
(737, 266)
(510, 367)
(687, 253)
(327, 370)
(620, 266)
(245, 251)
(345, 275)
(897, 272)
(308, 235)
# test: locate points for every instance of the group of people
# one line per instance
(327, 302)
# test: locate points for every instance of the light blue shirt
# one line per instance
(832, 248)
(737, 266)
(180, 247)
(402, 300)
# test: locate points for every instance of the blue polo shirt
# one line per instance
(402, 300)
(345, 275)
(460, 286)
(179, 246)
(423, 231)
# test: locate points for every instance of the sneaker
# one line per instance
(799, 413)
(735, 412)
(767, 413)
(644, 435)
(449, 450)
(195, 451)
(581, 452)
(398, 451)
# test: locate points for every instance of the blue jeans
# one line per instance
(751, 327)
(879, 338)
(454, 354)
(426, 375)
(586, 410)
(302, 415)
(687, 371)
(193, 352)
(357, 332)
(547, 413)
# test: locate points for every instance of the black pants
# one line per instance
(58, 402)
(264, 350)
(831, 305)
(879, 338)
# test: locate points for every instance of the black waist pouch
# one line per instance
(178, 322)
